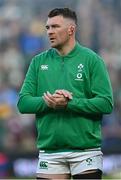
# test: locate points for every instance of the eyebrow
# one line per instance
(53, 25)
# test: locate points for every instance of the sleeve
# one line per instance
(28, 101)
(101, 101)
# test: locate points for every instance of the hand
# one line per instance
(65, 93)
(55, 101)
(49, 99)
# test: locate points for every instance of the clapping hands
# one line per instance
(57, 100)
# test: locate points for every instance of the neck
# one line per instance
(64, 50)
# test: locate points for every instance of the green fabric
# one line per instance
(78, 126)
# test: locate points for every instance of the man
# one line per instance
(68, 88)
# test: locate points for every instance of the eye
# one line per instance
(47, 27)
(56, 26)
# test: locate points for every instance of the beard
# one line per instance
(58, 46)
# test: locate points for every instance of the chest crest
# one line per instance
(79, 72)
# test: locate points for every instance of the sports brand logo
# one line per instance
(79, 76)
(43, 165)
(89, 161)
(44, 67)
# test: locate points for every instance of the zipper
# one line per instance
(62, 73)
(59, 136)
(62, 65)
(61, 80)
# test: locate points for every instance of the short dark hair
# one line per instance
(65, 12)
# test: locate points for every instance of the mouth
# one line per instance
(52, 39)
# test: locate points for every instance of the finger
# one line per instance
(64, 92)
(48, 98)
(49, 94)
(70, 96)
(59, 92)
(58, 95)
(48, 101)
(67, 94)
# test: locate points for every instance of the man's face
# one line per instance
(58, 29)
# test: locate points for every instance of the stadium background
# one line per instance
(22, 35)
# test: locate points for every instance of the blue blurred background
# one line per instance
(23, 35)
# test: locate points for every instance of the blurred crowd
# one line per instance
(23, 35)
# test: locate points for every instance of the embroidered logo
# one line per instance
(79, 72)
(80, 67)
(44, 67)
(43, 165)
(89, 161)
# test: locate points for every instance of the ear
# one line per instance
(71, 30)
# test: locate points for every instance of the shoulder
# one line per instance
(41, 58)
(43, 55)
(91, 55)
(88, 52)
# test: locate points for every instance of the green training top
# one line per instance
(78, 126)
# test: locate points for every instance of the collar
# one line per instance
(72, 53)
